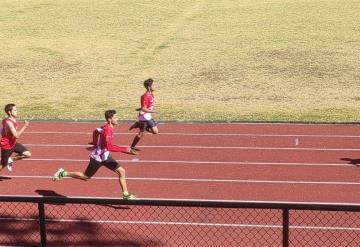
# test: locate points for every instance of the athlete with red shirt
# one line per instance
(9, 136)
(100, 155)
(145, 121)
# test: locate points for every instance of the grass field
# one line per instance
(228, 60)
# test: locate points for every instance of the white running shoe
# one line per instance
(58, 174)
(10, 164)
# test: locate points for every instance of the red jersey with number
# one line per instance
(7, 141)
(103, 143)
(148, 101)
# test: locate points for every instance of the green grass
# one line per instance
(229, 60)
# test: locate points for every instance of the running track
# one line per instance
(245, 161)
(260, 162)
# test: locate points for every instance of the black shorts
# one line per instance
(6, 153)
(147, 124)
(94, 165)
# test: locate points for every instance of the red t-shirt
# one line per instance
(7, 141)
(147, 100)
(103, 143)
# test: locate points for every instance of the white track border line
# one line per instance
(201, 200)
(206, 147)
(201, 134)
(175, 123)
(197, 180)
(201, 162)
(197, 224)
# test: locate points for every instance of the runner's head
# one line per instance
(148, 84)
(111, 117)
(10, 110)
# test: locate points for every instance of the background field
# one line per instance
(228, 60)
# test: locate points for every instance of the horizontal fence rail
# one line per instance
(82, 221)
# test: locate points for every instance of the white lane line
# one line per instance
(179, 123)
(202, 162)
(206, 147)
(338, 228)
(202, 200)
(202, 134)
(199, 180)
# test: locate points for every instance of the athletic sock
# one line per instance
(126, 193)
(64, 174)
(135, 141)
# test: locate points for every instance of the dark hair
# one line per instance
(8, 108)
(148, 83)
(109, 114)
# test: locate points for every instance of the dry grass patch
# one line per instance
(213, 60)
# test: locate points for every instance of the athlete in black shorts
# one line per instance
(100, 155)
(9, 136)
(145, 120)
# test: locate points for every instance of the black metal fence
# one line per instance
(69, 221)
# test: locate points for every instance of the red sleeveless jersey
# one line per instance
(103, 143)
(7, 141)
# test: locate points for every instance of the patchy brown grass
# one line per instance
(212, 60)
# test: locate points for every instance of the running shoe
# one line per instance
(10, 165)
(135, 149)
(131, 151)
(58, 175)
(129, 197)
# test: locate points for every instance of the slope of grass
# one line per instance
(212, 60)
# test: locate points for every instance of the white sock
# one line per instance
(10, 161)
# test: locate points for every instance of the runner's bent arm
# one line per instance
(13, 131)
(114, 148)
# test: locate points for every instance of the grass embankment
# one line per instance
(212, 60)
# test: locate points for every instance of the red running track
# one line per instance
(262, 162)
(265, 162)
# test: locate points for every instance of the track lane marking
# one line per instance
(202, 134)
(202, 162)
(338, 228)
(205, 147)
(202, 180)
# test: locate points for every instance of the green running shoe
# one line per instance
(129, 197)
(58, 174)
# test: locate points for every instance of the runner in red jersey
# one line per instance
(100, 155)
(9, 136)
(145, 120)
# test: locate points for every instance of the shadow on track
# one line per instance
(48, 193)
(51, 193)
(4, 178)
(114, 206)
(355, 162)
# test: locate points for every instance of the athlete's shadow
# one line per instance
(355, 162)
(50, 193)
(4, 178)
(114, 206)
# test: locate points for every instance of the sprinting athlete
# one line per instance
(9, 136)
(100, 155)
(145, 120)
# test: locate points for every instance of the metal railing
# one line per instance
(77, 221)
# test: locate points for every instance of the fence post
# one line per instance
(285, 227)
(42, 223)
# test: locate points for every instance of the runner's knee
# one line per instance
(83, 177)
(121, 172)
(27, 154)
